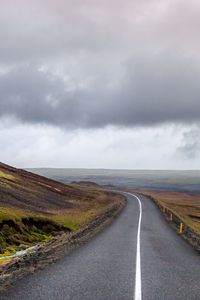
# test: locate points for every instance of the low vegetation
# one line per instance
(33, 208)
(185, 205)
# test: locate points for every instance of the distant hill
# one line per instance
(86, 183)
(164, 180)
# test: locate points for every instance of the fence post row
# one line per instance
(171, 218)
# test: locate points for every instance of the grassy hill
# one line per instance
(34, 209)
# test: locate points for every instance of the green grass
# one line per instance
(11, 236)
(6, 176)
(3, 260)
(39, 228)
(7, 213)
(33, 209)
(25, 228)
(67, 222)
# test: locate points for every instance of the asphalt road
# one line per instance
(105, 268)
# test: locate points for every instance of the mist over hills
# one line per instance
(164, 180)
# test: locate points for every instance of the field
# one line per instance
(185, 205)
(33, 208)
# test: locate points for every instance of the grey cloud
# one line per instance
(105, 63)
(90, 64)
(152, 91)
(35, 97)
(44, 30)
(190, 146)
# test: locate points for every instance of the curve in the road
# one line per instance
(138, 284)
(105, 268)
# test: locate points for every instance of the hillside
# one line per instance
(34, 209)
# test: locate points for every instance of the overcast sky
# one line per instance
(100, 84)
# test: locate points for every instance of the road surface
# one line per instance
(123, 262)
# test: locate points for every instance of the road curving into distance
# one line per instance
(138, 257)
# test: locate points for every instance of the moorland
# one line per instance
(34, 209)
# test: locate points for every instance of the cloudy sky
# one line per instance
(100, 84)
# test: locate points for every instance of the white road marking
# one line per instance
(138, 284)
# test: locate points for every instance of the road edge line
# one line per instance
(138, 281)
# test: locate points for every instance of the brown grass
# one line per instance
(184, 205)
(31, 204)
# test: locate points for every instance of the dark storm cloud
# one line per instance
(74, 64)
(151, 91)
(93, 64)
(36, 97)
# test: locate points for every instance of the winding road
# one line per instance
(138, 257)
